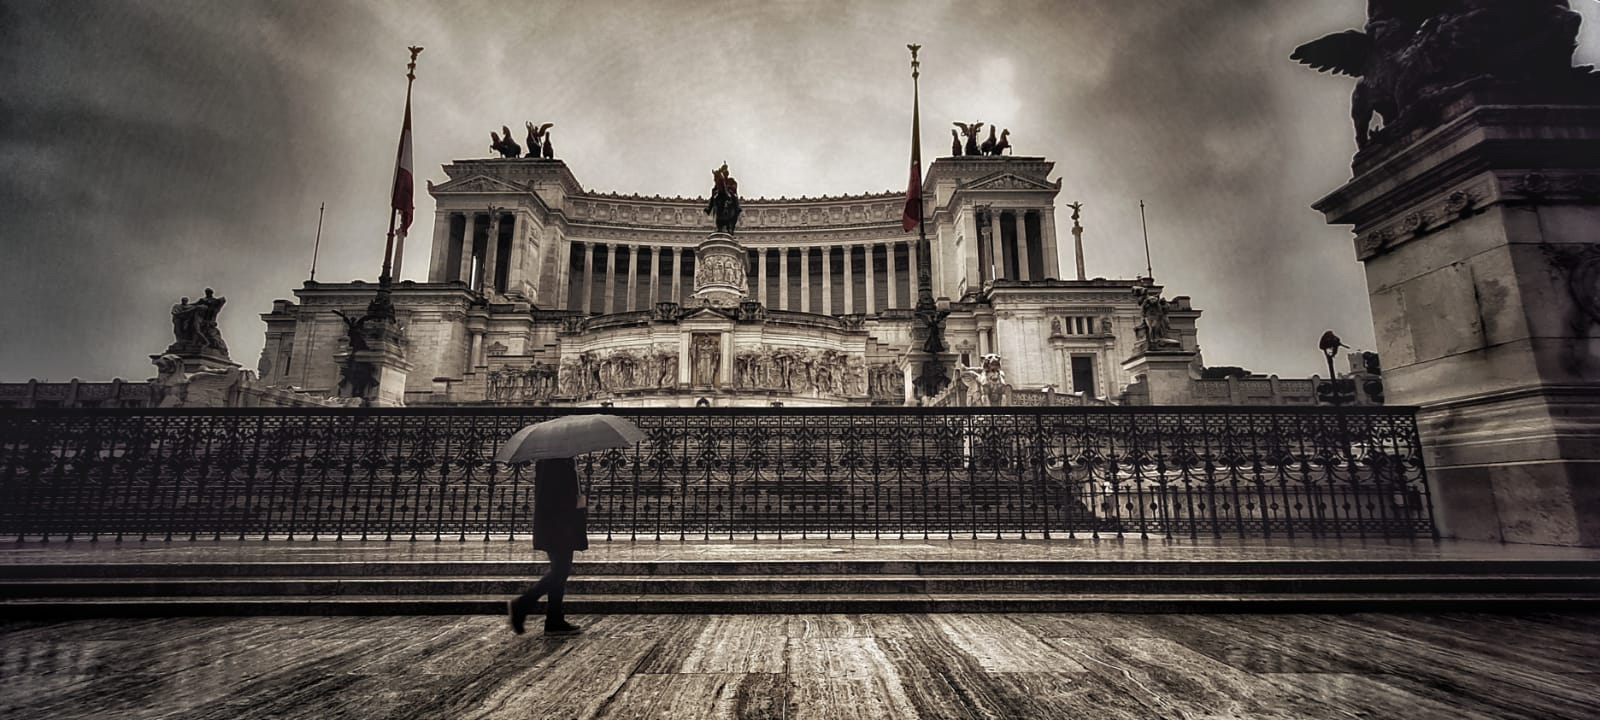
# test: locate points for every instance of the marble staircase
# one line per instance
(391, 587)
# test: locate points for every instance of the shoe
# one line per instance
(518, 616)
(560, 626)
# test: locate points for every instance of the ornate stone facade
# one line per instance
(541, 292)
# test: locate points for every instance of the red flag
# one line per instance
(913, 212)
(402, 202)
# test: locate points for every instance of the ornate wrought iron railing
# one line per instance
(426, 474)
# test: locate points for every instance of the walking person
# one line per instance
(560, 515)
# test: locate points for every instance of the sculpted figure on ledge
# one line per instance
(1412, 52)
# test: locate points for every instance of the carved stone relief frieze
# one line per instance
(532, 384)
(632, 369)
(818, 373)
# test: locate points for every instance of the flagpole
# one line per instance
(924, 251)
(317, 246)
(388, 249)
(381, 307)
(1148, 272)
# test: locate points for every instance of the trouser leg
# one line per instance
(552, 583)
(560, 568)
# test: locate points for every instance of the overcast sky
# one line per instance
(151, 149)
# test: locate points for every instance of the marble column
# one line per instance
(608, 289)
(827, 279)
(491, 253)
(676, 271)
(894, 298)
(633, 278)
(467, 230)
(872, 280)
(655, 275)
(783, 278)
(997, 255)
(805, 279)
(761, 275)
(849, 280)
(1021, 218)
(514, 269)
(970, 271)
(441, 247)
(588, 278)
(1047, 240)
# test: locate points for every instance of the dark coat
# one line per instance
(558, 524)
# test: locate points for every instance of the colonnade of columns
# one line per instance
(481, 249)
(833, 280)
(1014, 246)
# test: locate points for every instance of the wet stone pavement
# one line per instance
(1302, 667)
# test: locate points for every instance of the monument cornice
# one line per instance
(1485, 138)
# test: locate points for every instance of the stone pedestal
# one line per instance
(384, 362)
(1165, 377)
(1481, 239)
(719, 272)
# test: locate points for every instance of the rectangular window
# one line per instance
(1083, 375)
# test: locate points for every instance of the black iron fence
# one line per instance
(426, 474)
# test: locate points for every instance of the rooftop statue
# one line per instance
(536, 141)
(1414, 51)
(971, 132)
(724, 204)
(503, 143)
(194, 325)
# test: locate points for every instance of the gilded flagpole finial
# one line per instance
(411, 68)
(914, 62)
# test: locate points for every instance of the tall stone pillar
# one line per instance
(1047, 240)
(805, 279)
(655, 275)
(761, 275)
(437, 272)
(1021, 218)
(997, 255)
(783, 278)
(588, 277)
(849, 279)
(514, 276)
(1476, 216)
(633, 278)
(872, 280)
(608, 290)
(893, 300)
(676, 270)
(491, 253)
(467, 231)
(827, 279)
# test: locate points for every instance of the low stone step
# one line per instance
(760, 568)
(577, 606)
(800, 585)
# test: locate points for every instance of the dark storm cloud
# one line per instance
(153, 148)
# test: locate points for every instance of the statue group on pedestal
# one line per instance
(1156, 330)
(1412, 53)
(724, 203)
(194, 325)
(986, 383)
(991, 147)
(538, 142)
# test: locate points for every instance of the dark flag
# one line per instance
(913, 212)
(401, 195)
